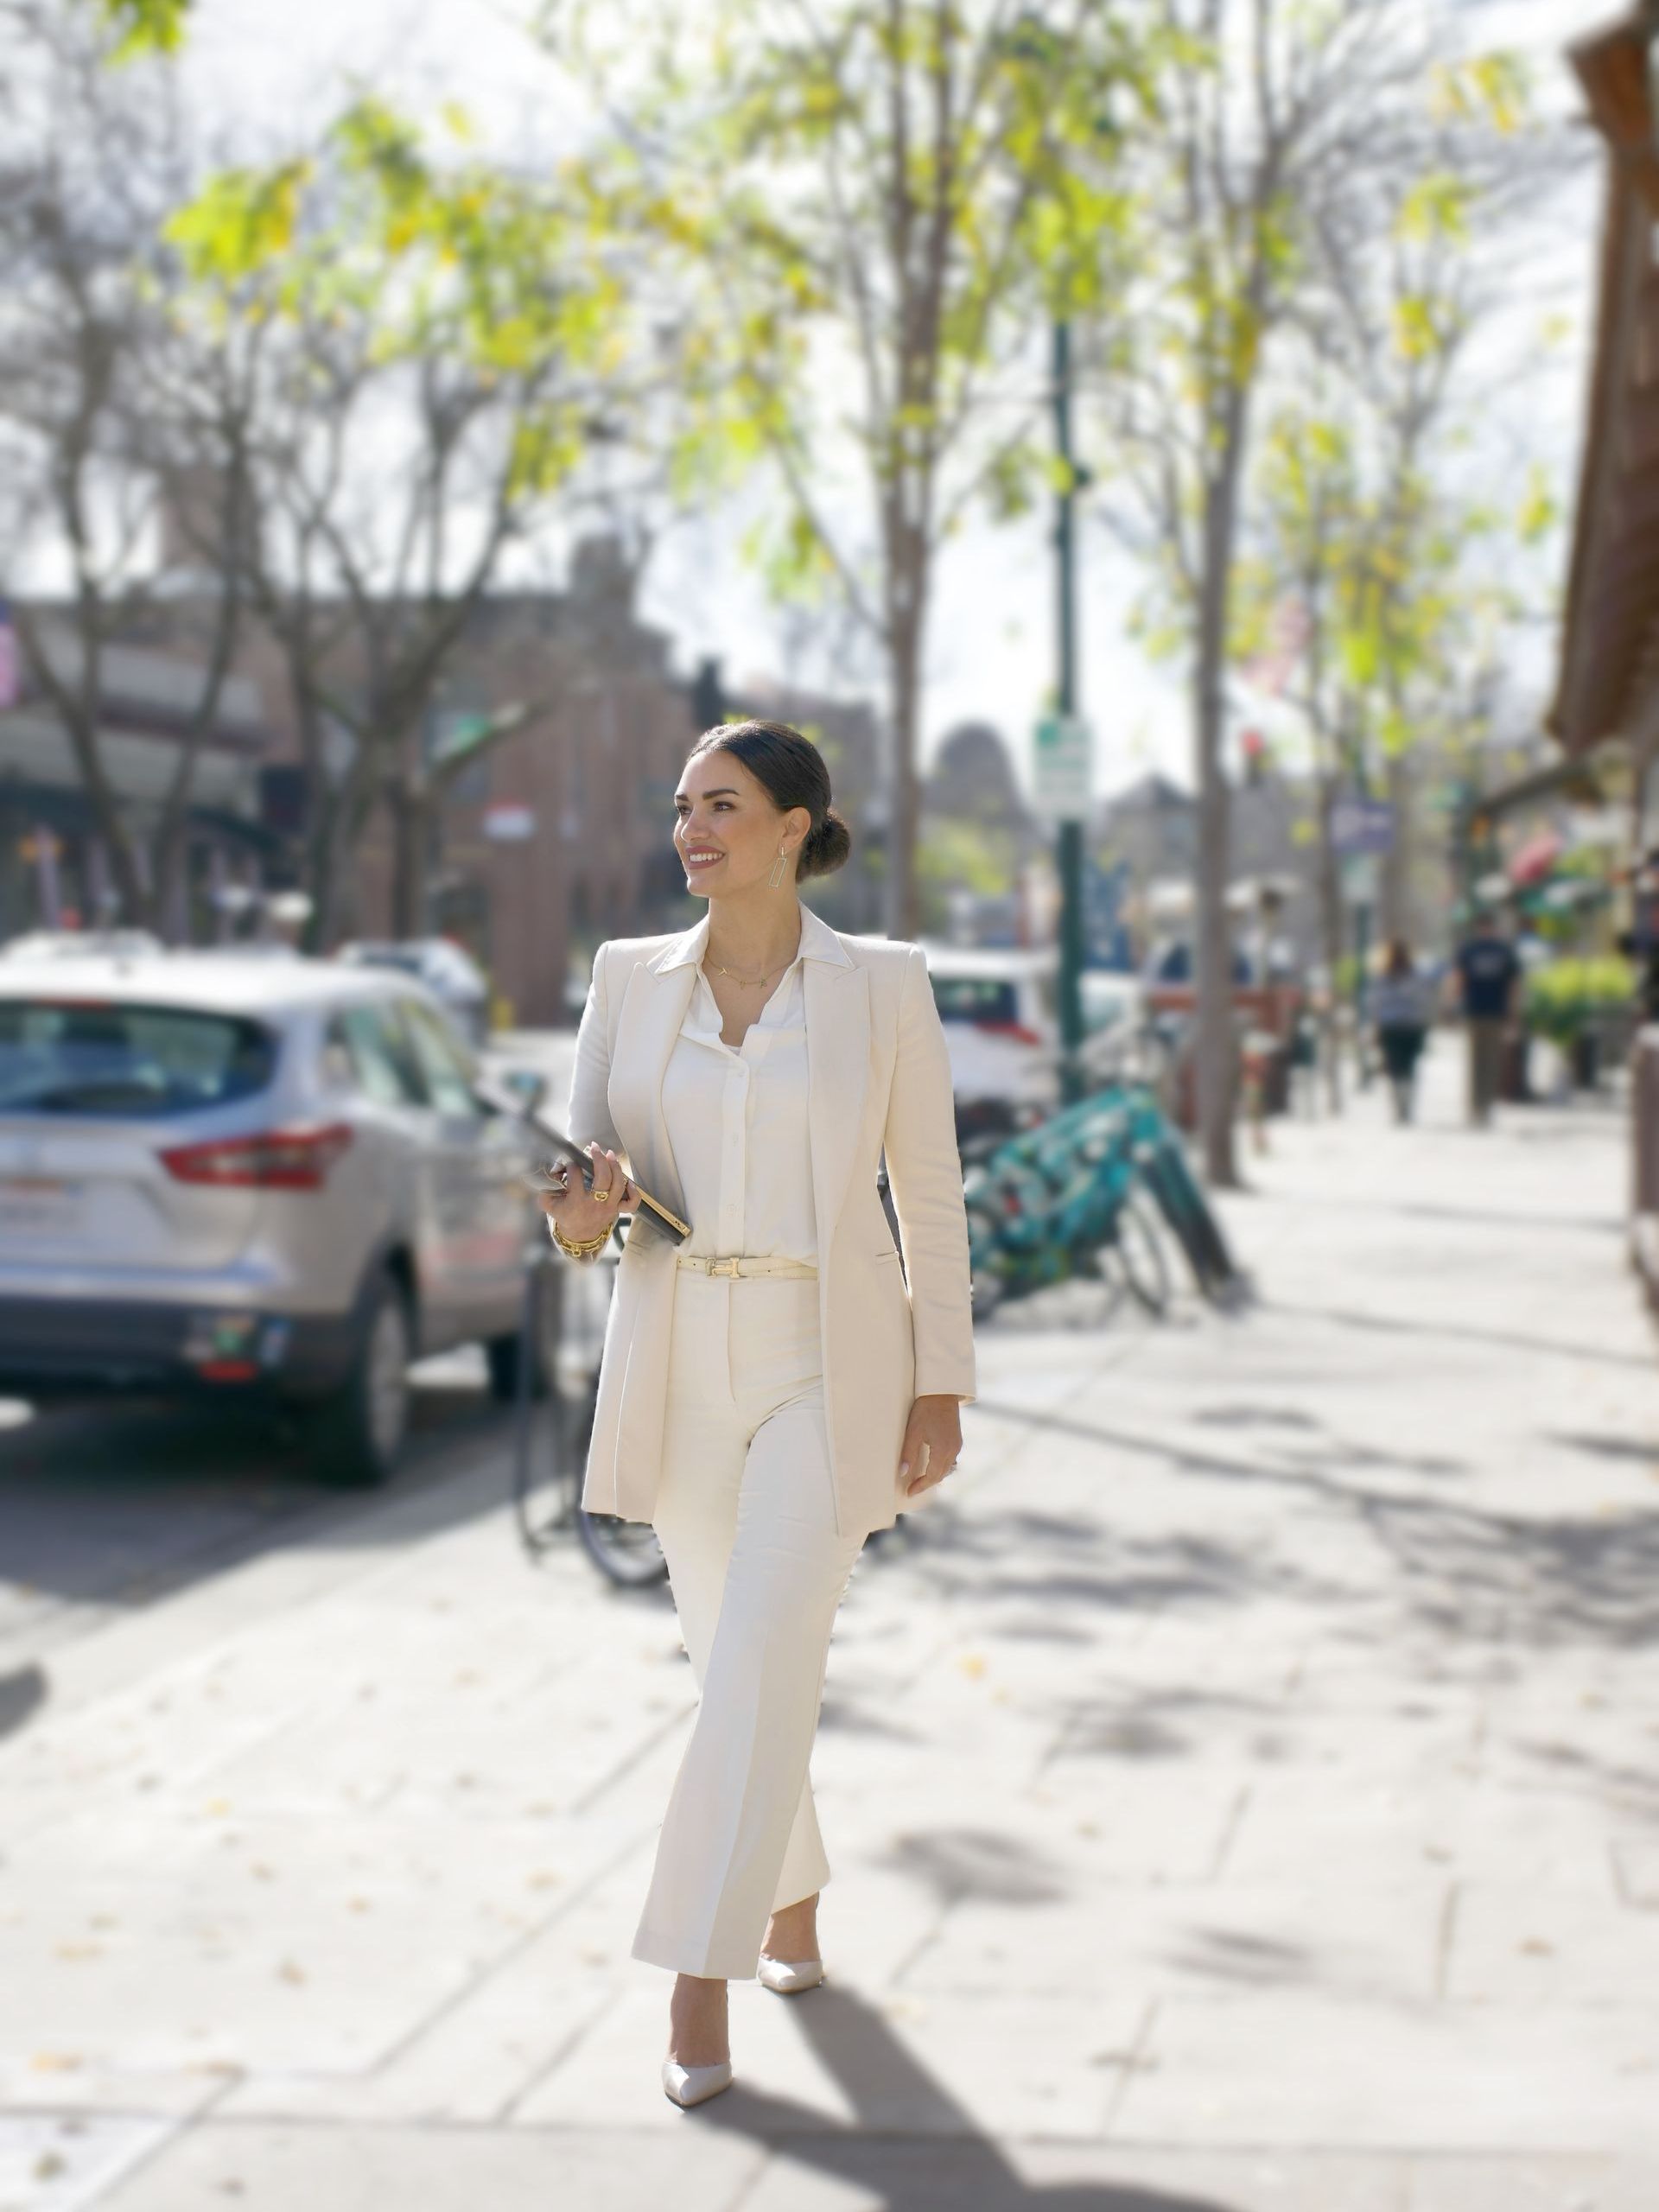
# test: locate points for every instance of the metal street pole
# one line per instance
(1068, 855)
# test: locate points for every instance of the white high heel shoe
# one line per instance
(690, 2085)
(787, 1976)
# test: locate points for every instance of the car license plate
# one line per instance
(38, 1205)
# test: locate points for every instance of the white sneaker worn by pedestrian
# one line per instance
(690, 2085)
(786, 1976)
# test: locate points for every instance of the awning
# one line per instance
(1610, 642)
(1573, 780)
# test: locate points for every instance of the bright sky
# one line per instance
(264, 74)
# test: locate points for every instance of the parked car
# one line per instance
(448, 971)
(1001, 1011)
(276, 1180)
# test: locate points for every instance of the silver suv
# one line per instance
(269, 1179)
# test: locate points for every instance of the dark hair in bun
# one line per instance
(790, 769)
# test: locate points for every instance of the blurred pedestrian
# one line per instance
(1488, 971)
(1401, 1007)
(785, 1380)
(1305, 1063)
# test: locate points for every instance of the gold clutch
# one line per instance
(554, 1174)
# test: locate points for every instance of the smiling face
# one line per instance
(727, 830)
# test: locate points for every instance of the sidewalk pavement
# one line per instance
(1241, 1783)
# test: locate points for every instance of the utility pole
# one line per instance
(1069, 853)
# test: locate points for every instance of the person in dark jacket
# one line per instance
(1488, 970)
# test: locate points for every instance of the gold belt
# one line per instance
(746, 1263)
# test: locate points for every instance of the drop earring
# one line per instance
(776, 879)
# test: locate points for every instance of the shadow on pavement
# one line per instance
(1253, 1417)
(962, 1864)
(910, 2137)
(21, 1696)
(1390, 1325)
(1573, 1224)
(1506, 1579)
(1642, 1452)
(117, 1502)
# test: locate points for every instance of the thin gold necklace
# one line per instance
(770, 972)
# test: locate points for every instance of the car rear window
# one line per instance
(379, 1054)
(975, 998)
(73, 1058)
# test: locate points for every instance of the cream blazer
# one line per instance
(878, 1078)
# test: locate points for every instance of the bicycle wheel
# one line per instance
(1219, 1266)
(541, 1482)
(1182, 1205)
(1140, 1254)
(626, 1551)
(1098, 1263)
(987, 1284)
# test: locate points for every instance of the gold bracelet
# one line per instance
(578, 1251)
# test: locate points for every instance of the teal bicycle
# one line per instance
(1089, 1193)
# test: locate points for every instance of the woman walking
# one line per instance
(781, 1383)
(1401, 1010)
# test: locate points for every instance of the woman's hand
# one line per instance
(932, 1441)
(582, 1213)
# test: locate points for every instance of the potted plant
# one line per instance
(1575, 1003)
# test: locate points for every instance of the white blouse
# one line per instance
(736, 1117)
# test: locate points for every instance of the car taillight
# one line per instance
(274, 1159)
(1021, 1032)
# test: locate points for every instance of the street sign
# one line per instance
(1361, 826)
(506, 824)
(1062, 768)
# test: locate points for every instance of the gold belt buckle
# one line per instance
(726, 1266)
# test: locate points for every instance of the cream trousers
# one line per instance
(746, 1519)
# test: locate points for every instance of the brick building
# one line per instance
(54, 869)
(559, 836)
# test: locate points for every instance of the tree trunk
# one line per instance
(407, 790)
(410, 827)
(1215, 1044)
(904, 632)
(336, 808)
(169, 897)
(1396, 917)
(331, 920)
(323, 860)
(77, 708)
(1330, 935)
(137, 893)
